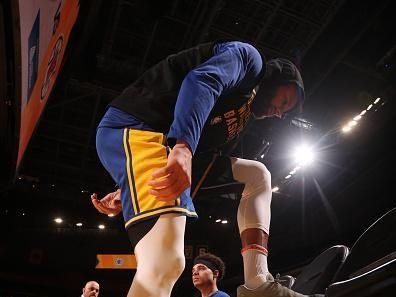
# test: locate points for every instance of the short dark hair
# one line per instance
(212, 262)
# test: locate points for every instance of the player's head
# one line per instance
(91, 289)
(207, 269)
(281, 91)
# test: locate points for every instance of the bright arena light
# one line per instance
(58, 220)
(288, 176)
(275, 189)
(369, 107)
(101, 226)
(110, 215)
(79, 224)
(363, 112)
(304, 155)
(218, 221)
(352, 123)
(377, 100)
(346, 129)
(224, 221)
(357, 118)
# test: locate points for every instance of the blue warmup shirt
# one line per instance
(220, 294)
(234, 65)
(234, 69)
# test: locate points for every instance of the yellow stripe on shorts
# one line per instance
(131, 180)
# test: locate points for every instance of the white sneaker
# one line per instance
(270, 288)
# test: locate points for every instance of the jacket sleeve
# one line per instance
(233, 65)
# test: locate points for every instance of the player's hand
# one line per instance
(109, 204)
(169, 182)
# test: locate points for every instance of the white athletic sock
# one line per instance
(255, 268)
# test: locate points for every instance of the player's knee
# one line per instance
(172, 270)
(178, 267)
(258, 176)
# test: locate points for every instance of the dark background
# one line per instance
(342, 48)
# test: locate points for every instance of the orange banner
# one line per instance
(48, 70)
(116, 261)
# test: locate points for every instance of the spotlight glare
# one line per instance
(357, 118)
(352, 123)
(224, 221)
(218, 221)
(346, 129)
(292, 172)
(363, 112)
(58, 220)
(101, 226)
(275, 189)
(79, 224)
(369, 107)
(304, 156)
(377, 100)
(288, 176)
